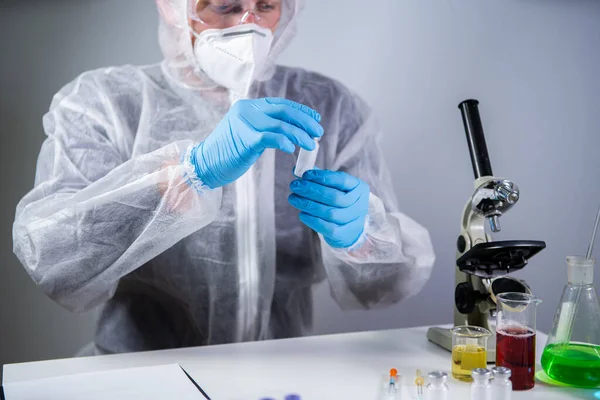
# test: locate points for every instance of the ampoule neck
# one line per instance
(499, 381)
(481, 377)
(437, 381)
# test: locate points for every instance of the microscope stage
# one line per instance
(492, 259)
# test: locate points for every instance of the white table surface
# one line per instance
(344, 366)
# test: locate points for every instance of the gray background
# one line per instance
(533, 64)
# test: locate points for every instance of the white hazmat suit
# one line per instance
(112, 221)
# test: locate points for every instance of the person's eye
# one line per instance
(266, 6)
(223, 7)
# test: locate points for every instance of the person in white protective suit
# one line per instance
(166, 193)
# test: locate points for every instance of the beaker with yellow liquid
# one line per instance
(469, 351)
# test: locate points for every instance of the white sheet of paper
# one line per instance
(147, 383)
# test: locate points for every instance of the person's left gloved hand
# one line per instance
(332, 203)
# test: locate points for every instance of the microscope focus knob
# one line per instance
(507, 192)
(465, 298)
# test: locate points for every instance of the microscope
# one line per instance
(483, 265)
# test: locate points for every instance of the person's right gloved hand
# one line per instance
(249, 128)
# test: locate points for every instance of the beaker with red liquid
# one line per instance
(515, 349)
(515, 337)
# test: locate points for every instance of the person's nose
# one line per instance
(249, 18)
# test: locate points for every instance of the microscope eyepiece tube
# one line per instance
(475, 138)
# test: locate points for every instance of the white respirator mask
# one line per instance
(233, 57)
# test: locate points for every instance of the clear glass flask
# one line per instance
(572, 353)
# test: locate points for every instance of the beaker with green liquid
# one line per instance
(572, 353)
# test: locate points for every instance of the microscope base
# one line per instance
(443, 338)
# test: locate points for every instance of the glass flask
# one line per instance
(572, 353)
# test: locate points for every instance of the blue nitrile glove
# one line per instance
(334, 204)
(250, 127)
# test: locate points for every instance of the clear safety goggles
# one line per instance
(220, 14)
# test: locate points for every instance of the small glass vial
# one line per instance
(501, 384)
(306, 160)
(437, 388)
(480, 387)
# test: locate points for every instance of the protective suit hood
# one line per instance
(176, 43)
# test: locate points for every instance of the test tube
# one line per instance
(437, 388)
(306, 160)
(480, 387)
(501, 384)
